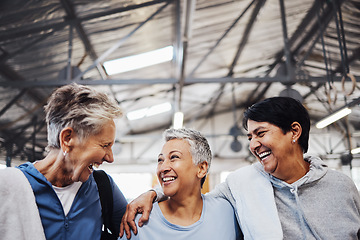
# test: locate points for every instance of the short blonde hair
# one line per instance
(80, 107)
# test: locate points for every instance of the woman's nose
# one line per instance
(109, 157)
(254, 144)
(165, 166)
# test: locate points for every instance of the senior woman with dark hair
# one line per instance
(81, 132)
(312, 201)
(285, 195)
(187, 214)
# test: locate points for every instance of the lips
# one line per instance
(166, 180)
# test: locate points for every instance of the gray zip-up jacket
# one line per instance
(324, 204)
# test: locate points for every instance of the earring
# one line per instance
(64, 153)
(293, 141)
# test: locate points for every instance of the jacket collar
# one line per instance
(317, 170)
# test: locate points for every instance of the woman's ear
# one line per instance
(203, 168)
(66, 137)
(296, 130)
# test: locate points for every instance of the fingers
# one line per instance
(122, 224)
(127, 222)
(144, 217)
(121, 233)
(142, 204)
(133, 227)
(127, 231)
(146, 209)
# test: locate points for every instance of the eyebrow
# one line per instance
(170, 152)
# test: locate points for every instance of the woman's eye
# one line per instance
(174, 156)
(261, 134)
(160, 160)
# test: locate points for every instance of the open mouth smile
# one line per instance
(168, 179)
(92, 165)
(263, 155)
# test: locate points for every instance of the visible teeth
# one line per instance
(261, 155)
(166, 179)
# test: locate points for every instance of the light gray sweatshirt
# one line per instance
(19, 215)
(324, 204)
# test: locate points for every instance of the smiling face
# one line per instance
(271, 147)
(177, 173)
(90, 152)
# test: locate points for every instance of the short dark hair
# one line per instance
(281, 112)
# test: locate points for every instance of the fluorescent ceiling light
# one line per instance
(149, 111)
(139, 61)
(333, 117)
(355, 150)
(178, 120)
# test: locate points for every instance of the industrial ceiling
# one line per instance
(228, 54)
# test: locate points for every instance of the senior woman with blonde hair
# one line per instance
(81, 132)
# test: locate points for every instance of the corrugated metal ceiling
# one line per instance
(221, 46)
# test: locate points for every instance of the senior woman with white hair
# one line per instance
(187, 214)
(81, 132)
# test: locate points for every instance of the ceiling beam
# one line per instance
(220, 39)
(71, 15)
(245, 35)
(50, 83)
(103, 56)
(21, 31)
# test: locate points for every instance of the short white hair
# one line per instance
(199, 146)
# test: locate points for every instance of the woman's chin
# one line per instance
(168, 192)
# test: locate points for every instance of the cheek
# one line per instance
(97, 152)
(158, 172)
(92, 155)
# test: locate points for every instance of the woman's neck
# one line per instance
(183, 212)
(299, 168)
(52, 167)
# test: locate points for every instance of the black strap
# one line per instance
(106, 200)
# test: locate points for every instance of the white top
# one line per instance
(67, 195)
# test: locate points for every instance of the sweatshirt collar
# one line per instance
(317, 170)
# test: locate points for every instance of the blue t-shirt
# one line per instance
(217, 221)
(84, 218)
